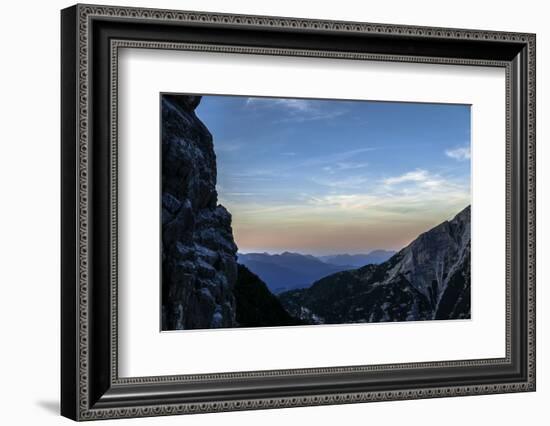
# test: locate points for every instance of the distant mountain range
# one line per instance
(289, 271)
(358, 260)
(428, 279)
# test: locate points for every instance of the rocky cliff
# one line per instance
(199, 267)
(428, 279)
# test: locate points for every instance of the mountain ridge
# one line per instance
(358, 259)
(287, 270)
(428, 279)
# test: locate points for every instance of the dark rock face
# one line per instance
(428, 279)
(256, 305)
(199, 267)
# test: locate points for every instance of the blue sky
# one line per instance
(326, 176)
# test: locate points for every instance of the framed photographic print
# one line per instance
(263, 212)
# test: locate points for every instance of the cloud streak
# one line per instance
(296, 110)
(460, 154)
(348, 182)
(341, 166)
(336, 158)
(301, 105)
(417, 175)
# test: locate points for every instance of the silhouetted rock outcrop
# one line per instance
(199, 266)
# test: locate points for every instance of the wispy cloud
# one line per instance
(417, 175)
(296, 110)
(358, 198)
(344, 166)
(418, 180)
(460, 154)
(445, 196)
(254, 174)
(312, 116)
(336, 161)
(332, 159)
(349, 182)
(242, 194)
(366, 210)
(301, 105)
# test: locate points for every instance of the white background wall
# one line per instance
(29, 214)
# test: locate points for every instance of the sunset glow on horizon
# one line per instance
(326, 176)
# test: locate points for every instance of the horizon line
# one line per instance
(311, 253)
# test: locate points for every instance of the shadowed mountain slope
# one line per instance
(256, 305)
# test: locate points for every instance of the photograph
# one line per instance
(281, 211)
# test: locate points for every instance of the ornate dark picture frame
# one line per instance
(90, 385)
